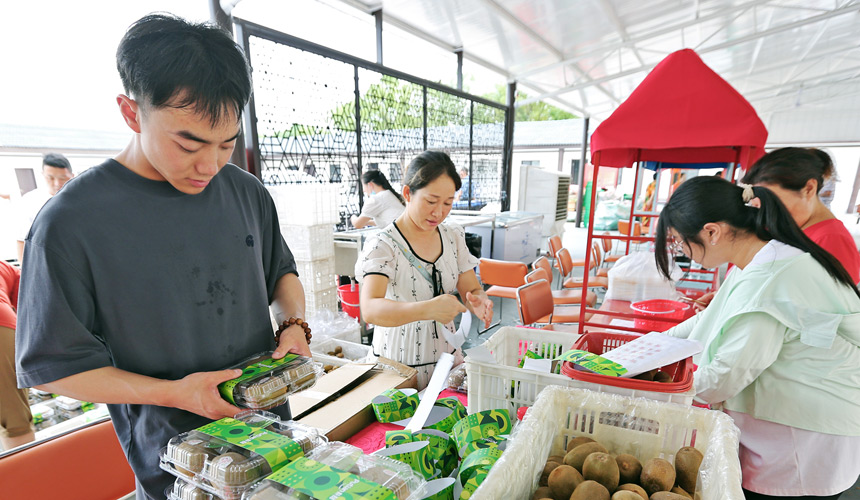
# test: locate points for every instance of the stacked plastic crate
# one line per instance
(307, 214)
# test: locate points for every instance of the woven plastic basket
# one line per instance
(641, 427)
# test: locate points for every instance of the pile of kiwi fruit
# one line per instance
(589, 472)
(655, 375)
(338, 353)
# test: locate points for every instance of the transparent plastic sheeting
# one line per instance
(640, 427)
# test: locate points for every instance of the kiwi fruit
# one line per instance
(339, 355)
(577, 456)
(578, 441)
(542, 492)
(603, 468)
(338, 350)
(662, 377)
(544, 476)
(677, 489)
(625, 495)
(562, 481)
(556, 458)
(649, 375)
(657, 475)
(635, 488)
(667, 495)
(590, 490)
(629, 468)
(687, 462)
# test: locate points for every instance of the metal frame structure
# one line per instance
(245, 30)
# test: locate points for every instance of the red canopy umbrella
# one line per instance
(682, 112)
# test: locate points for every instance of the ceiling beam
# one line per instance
(644, 37)
(729, 43)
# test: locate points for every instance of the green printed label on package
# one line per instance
(393, 405)
(252, 371)
(593, 362)
(455, 405)
(276, 448)
(85, 406)
(38, 418)
(415, 454)
(484, 424)
(393, 438)
(472, 484)
(480, 459)
(440, 489)
(482, 444)
(324, 482)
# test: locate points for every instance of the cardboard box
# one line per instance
(339, 403)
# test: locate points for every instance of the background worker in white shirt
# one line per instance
(57, 171)
(382, 205)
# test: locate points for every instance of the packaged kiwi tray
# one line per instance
(340, 469)
(227, 456)
(183, 490)
(266, 383)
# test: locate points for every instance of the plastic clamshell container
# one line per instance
(266, 383)
(640, 427)
(67, 403)
(183, 490)
(600, 342)
(504, 385)
(306, 436)
(44, 415)
(391, 474)
(222, 468)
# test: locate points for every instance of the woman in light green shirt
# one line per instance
(781, 338)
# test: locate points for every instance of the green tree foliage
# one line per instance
(534, 112)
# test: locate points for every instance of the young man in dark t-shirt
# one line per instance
(150, 273)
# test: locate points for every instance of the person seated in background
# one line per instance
(797, 176)
(781, 337)
(57, 171)
(382, 203)
(15, 418)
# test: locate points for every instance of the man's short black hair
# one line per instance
(164, 60)
(56, 160)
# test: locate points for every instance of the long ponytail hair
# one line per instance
(710, 199)
(378, 178)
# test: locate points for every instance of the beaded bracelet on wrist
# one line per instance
(294, 321)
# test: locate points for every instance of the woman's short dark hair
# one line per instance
(378, 178)
(164, 60)
(429, 166)
(706, 199)
(791, 168)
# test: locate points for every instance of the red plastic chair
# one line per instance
(86, 463)
(536, 306)
(565, 296)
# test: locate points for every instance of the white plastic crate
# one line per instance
(352, 352)
(306, 204)
(640, 427)
(317, 274)
(309, 242)
(322, 300)
(505, 385)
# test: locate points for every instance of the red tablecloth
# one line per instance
(372, 437)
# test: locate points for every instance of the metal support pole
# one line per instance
(581, 181)
(424, 95)
(853, 200)
(471, 149)
(358, 137)
(377, 15)
(459, 53)
(508, 151)
(225, 21)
